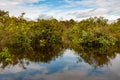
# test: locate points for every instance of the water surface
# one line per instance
(66, 64)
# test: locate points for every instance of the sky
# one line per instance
(62, 9)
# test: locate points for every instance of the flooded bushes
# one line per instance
(96, 39)
(20, 33)
(93, 34)
(17, 32)
(46, 32)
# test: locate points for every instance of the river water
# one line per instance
(65, 65)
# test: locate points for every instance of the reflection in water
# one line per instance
(57, 63)
(43, 55)
(96, 57)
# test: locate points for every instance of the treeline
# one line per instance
(96, 32)
(18, 32)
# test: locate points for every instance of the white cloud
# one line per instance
(107, 8)
(6, 3)
(76, 9)
(16, 7)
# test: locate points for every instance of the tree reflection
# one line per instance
(42, 54)
(97, 57)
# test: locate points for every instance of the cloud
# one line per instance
(16, 7)
(76, 9)
(6, 3)
(94, 12)
(109, 8)
(44, 16)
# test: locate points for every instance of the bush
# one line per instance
(5, 55)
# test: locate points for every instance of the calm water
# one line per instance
(65, 64)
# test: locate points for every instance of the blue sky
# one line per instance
(63, 9)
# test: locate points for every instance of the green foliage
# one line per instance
(17, 32)
(115, 29)
(93, 32)
(42, 42)
(5, 55)
(46, 32)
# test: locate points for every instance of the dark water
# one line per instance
(63, 64)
